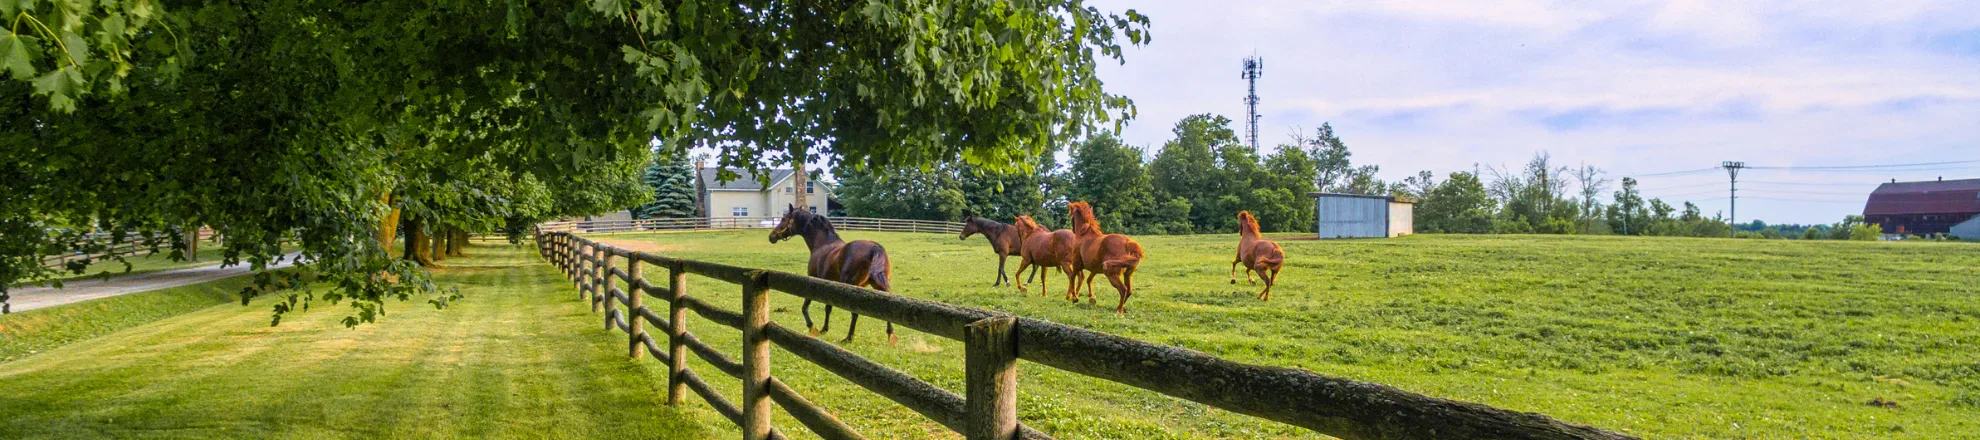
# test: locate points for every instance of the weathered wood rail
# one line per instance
(722, 223)
(993, 343)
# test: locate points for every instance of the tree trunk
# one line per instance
(418, 244)
(192, 245)
(797, 181)
(457, 239)
(388, 227)
(439, 250)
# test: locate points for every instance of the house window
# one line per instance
(814, 210)
(790, 190)
(810, 187)
(739, 211)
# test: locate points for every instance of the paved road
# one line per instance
(85, 289)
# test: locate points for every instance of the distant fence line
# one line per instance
(993, 343)
(718, 223)
(127, 246)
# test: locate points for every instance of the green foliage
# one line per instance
(921, 194)
(672, 180)
(1811, 234)
(313, 122)
(1866, 232)
(1460, 205)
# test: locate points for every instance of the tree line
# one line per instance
(1198, 180)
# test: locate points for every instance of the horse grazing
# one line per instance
(1042, 248)
(860, 263)
(1256, 254)
(1004, 240)
(1097, 252)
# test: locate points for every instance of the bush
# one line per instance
(1869, 232)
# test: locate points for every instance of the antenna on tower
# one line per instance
(1254, 67)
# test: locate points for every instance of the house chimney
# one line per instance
(1942, 178)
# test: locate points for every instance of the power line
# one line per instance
(1677, 173)
(1855, 167)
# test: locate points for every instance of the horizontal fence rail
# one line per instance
(992, 345)
(719, 223)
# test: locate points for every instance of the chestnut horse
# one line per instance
(1256, 254)
(860, 263)
(1042, 248)
(1003, 240)
(1101, 253)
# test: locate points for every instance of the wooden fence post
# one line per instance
(635, 328)
(756, 357)
(990, 376)
(597, 275)
(676, 332)
(607, 281)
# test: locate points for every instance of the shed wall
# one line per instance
(1352, 217)
(1402, 219)
(1970, 230)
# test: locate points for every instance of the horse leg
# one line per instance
(1072, 288)
(1089, 287)
(1247, 276)
(828, 320)
(1234, 265)
(1022, 264)
(807, 317)
(1120, 284)
(1039, 271)
(882, 281)
(1000, 278)
(851, 328)
(1270, 279)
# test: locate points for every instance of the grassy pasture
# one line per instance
(1663, 338)
(519, 359)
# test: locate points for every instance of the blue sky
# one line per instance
(1631, 87)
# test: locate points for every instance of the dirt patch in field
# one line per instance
(640, 246)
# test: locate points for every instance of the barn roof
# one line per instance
(1932, 197)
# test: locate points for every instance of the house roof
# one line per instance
(1930, 197)
(745, 180)
(1361, 196)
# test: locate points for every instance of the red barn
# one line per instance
(1923, 208)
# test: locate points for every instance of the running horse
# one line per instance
(860, 263)
(1042, 248)
(1004, 240)
(1098, 253)
(1256, 254)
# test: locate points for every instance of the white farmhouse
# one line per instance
(747, 197)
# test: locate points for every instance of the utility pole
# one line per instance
(1732, 170)
(1254, 67)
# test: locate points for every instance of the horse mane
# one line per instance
(1082, 218)
(1247, 223)
(1025, 222)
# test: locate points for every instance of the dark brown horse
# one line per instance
(860, 263)
(1004, 240)
(1041, 249)
(1101, 253)
(1257, 255)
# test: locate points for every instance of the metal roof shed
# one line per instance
(1362, 216)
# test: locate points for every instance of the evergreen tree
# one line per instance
(672, 180)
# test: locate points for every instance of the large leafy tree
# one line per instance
(1459, 205)
(331, 124)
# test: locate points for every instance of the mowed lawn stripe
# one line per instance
(517, 358)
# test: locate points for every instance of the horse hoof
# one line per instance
(814, 332)
(847, 340)
(1233, 281)
(891, 340)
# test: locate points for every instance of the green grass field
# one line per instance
(518, 359)
(1662, 338)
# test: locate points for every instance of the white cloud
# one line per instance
(1636, 87)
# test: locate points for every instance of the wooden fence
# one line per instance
(129, 246)
(690, 224)
(614, 281)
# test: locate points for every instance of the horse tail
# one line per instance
(1129, 261)
(880, 269)
(1270, 260)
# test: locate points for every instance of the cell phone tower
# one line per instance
(1254, 67)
